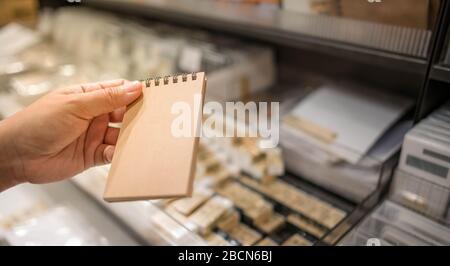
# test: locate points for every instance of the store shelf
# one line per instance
(440, 73)
(391, 46)
(143, 219)
(65, 194)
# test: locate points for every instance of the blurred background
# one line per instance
(364, 147)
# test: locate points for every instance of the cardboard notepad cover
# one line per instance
(149, 161)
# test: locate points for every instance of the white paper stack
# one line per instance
(340, 137)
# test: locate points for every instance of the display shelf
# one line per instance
(393, 46)
(65, 194)
(440, 73)
(148, 224)
(142, 218)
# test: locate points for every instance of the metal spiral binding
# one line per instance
(157, 81)
(148, 81)
(166, 79)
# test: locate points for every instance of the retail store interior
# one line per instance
(363, 154)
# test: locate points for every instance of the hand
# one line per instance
(63, 133)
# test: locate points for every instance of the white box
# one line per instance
(426, 154)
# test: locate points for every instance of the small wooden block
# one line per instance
(187, 205)
(268, 179)
(244, 235)
(209, 213)
(257, 170)
(274, 222)
(260, 212)
(334, 216)
(306, 225)
(297, 240)
(229, 221)
(299, 201)
(251, 203)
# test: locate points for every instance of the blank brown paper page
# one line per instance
(149, 161)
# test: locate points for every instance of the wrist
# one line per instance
(10, 161)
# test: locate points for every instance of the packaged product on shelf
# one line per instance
(331, 111)
(271, 223)
(422, 180)
(306, 225)
(318, 138)
(207, 216)
(235, 70)
(229, 221)
(362, 178)
(296, 240)
(252, 204)
(187, 205)
(426, 148)
(244, 235)
(282, 192)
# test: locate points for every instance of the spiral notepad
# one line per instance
(150, 161)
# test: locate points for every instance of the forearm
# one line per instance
(9, 161)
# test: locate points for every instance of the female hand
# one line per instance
(64, 132)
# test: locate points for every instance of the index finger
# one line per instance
(88, 87)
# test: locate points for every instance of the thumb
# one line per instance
(102, 101)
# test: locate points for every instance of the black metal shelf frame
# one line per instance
(429, 96)
(440, 73)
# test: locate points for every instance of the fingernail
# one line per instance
(109, 152)
(132, 87)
